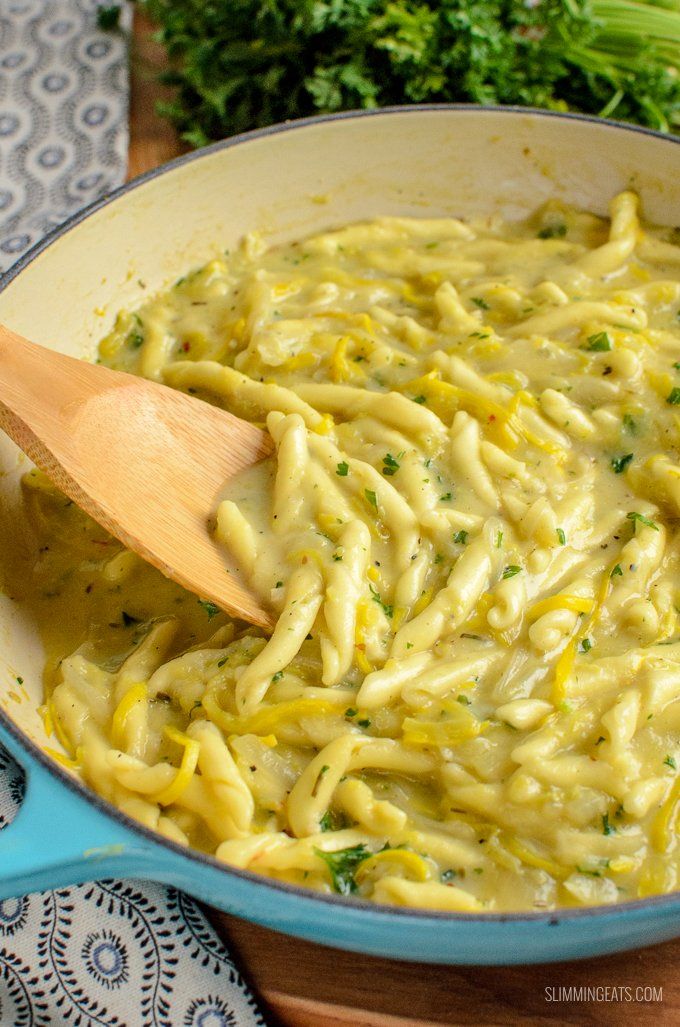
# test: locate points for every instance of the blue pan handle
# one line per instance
(58, 838)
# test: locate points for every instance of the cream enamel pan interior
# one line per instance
(287, 182)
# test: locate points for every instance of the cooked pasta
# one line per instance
(469, 536)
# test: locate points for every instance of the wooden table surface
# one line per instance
(305, 985)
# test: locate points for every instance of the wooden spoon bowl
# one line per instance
(146, 462)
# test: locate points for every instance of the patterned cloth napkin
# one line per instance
(114, 953)
(63, 114)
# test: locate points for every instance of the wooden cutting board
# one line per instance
(305, 985)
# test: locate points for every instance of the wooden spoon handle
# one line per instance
(42, 395)
(40, 391)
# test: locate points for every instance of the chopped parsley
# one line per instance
(375, 596)
(630, 425)
(391, 465)
(350, 712)
(108, 17)
(607, 828)
(616, 571)
(332, 821)
(670, 762)
(135, 340)
(635, 516)
(210, 608)
(364, 723)
(619, 463)
(445, 498)
(342, 866)
(371, 498)
(511, 570)
(499, 539)
(599, 343)
(674, 397)
(279, 584)
(246, 65)
(418, 399)
(448, 875)
(461, 538)
(585, 646)
(479, 302)
(557, 231)
(463, 700)
(561, 537)
(277, 677)
(342, 469)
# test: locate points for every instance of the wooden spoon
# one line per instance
(146, 462)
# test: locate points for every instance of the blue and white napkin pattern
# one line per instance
(63, 114)
(110, 954)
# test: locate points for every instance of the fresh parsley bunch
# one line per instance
(239, 64)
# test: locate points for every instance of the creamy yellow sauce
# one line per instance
(469, 534)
